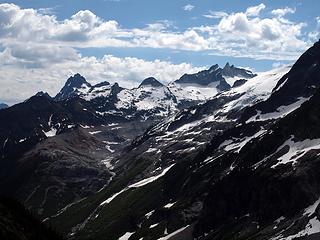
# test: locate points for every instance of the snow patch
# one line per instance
(113, 197)
(193, 92)
(94, 132)
(154, 225)
(169, 205)
(151, 150)
(50, 120)
(277, 221)
(5, 142)
(296, 150)
(85, 126)
(281, 85)
(138, 184)
(313, 226)
(149, 214)
(51, 133)
(151, 179)
(147, 98)
(256, 89)
(312, 208)
(107, 162)
(109, 149)
(236, 144)
(174, 233)
(281, 111)
(126, 236)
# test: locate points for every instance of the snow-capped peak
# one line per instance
(235, 76)
(203, 78)
(157, 100)
(232, 71)
(74, 86)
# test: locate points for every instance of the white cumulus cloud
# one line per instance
(216, 14)
(234, 34)
(283, 11)
(38, 51)
(188, 7)
(255, 10)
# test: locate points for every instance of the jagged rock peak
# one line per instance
(76, 81)
(214, 67)
(115, 88)
(72, 87)
(232, 71)
(151, 81)
(228, 66)
(205, 77)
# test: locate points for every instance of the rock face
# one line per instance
(28, 123)
(61, 170)
(232, 71)
(205, 77)
(239, 82)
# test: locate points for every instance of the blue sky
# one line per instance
(139, 13)
(127, 40)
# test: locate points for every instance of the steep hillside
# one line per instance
(255, 179)
(80, 132)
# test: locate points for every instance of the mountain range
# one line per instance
(220, 154)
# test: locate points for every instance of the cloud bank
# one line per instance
(37, 49)
(235, 34)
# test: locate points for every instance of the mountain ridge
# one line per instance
(205, 77)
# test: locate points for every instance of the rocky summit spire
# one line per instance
(76, 81)
(232, 71)
(151, 81)
(227, 66)
(72, 86)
